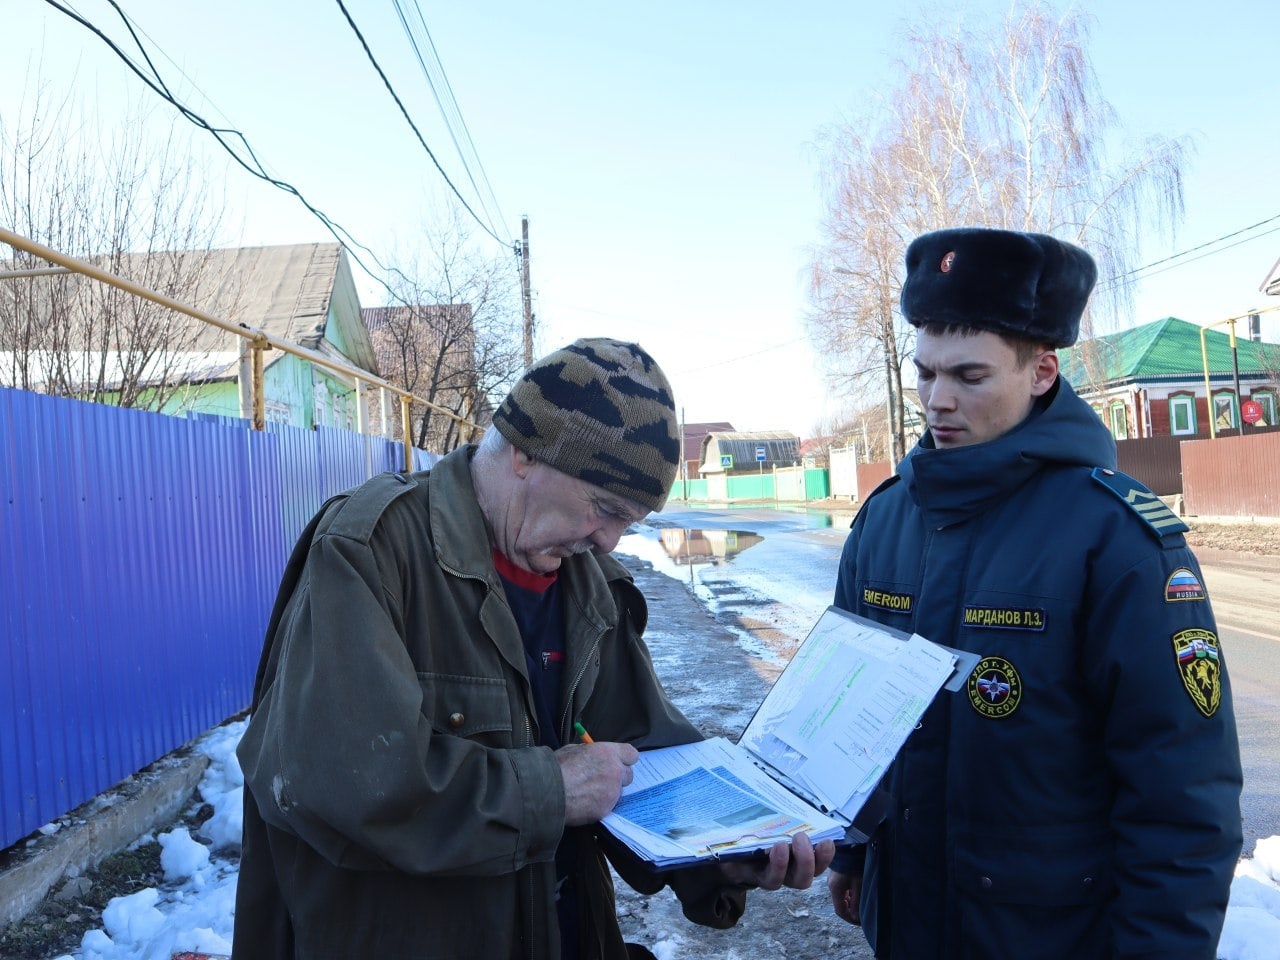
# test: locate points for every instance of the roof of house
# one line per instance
(753, 435)
(376, 318)
(283, 290)
(779, 446)
(815, 445)
(1167, 349)
(695, 433)
(442, 332)
(1271, 282)
(430, 349)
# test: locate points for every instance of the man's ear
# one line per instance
(1044, 373)
(521, 463)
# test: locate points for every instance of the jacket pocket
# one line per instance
(1033, 893)
(1042, 866)
(462, 706)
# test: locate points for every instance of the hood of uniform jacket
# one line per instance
(951, 485)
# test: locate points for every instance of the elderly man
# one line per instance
(1080, 799)
(412, 788)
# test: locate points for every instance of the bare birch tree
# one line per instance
(129, 206)
(855, 284)
(1000, 125)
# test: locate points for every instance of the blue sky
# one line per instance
(664, 152)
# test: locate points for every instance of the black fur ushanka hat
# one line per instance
(1027, 285)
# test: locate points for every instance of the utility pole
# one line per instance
(1235, 370)
(684, 464)
(525, 293)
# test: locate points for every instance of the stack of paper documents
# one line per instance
(708, 799)
(809, 760)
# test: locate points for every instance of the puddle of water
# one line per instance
(840, 519)
(692, 547)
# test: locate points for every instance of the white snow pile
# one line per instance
(195, 907)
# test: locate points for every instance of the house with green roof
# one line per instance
(1150, 381)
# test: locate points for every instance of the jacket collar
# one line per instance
(955, 484)
(461, 537)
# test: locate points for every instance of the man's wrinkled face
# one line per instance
(563, 515)
(973, 387)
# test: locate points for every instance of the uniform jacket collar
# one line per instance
(955, 484)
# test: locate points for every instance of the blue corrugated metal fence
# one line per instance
(139, 556)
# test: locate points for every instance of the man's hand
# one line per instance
(793, 864)
(845, 890)
(594, 774)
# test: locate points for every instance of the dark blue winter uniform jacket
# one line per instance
(1080, 797)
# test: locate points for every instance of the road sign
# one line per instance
(760, 454)
(1251, 411)
(726, 461)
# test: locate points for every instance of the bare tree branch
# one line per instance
(455, 337)
(126, 204)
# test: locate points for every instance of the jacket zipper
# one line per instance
(565, 730)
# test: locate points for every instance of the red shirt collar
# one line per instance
(527, 579)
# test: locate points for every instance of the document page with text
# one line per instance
(844, 706)
(809, 760)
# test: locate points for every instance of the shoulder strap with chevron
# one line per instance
(1162, 521)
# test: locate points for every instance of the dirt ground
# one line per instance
(1255, 538)
(58, 925)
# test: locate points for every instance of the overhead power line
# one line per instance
(220, 134)
(746, 356)
(1185, 256)
(394, 96)
(1209, 253)
(433, 70)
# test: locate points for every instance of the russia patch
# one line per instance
(1183, 585)
(995, 689)
(1197, 653)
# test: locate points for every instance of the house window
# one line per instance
(1268, 400)
(1182, 415)
(276, 412)
(1224, 411)
(1119, 420)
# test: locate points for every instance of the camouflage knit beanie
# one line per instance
(600, 410)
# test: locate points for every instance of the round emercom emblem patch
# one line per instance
(995, 689)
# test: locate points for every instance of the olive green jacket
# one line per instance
(397, 801)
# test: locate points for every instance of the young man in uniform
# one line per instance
(1079, 800)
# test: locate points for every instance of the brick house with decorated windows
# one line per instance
(1150, 381)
